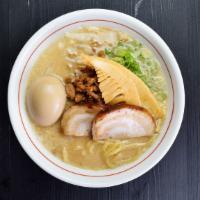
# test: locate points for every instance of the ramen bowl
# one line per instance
(26, 134)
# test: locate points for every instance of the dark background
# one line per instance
(177, 176)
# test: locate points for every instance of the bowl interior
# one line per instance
(27, 136)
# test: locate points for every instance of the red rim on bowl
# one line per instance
(28, 135)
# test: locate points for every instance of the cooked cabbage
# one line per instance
(140, 60)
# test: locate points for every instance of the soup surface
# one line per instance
(62, 60)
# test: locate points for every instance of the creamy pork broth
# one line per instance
(61, 59)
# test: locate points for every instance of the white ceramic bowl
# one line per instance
(28, 138)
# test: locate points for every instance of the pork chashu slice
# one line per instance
(123, 121)
(77, 120)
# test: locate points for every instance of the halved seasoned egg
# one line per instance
(46, 100)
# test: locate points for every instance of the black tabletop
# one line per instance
(177, 175)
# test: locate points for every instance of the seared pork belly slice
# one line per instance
(123, 121)
(77, 120)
